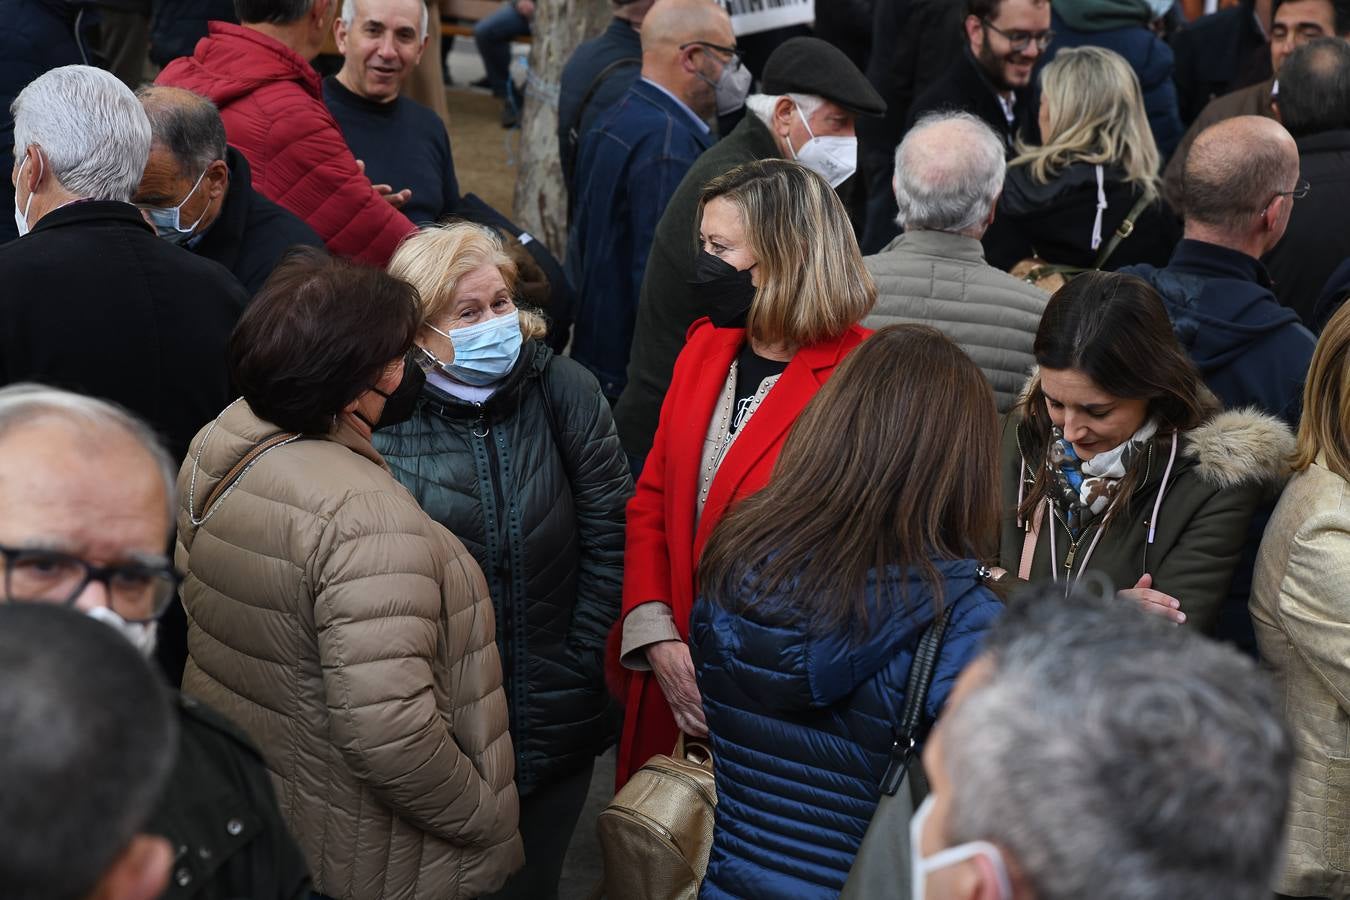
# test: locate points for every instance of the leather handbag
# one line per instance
(881, 868)
(656, 834)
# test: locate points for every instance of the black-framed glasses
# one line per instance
(1298, 193)
(735, 57)
(1021, 40)
(138, 592)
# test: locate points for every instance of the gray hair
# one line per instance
(92, 131)
(1315, 87)
(948, 173)
(349, 15)
(762, 105)
(1119, 757)
(90, 742)
(185, 124)
(22, 404)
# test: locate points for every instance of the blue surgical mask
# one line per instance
(167, 220)
(484, 353)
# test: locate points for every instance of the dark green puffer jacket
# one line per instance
(534, 482)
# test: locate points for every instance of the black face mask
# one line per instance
(724, 291)
(400, 403)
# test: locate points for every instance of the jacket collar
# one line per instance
(756, 137)
(669, 104)
(289, 64)
(625, 33)
(939, 243)
(348, 436)
(82, 211)
(225, 238)
(805, 373)
(534, 357)
(1213, 261)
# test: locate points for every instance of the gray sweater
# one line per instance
(939, 279)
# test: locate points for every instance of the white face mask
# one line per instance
(832, 158)
(920, 866)
(21, 215)
(143, 635)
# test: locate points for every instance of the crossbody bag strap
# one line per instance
(1029, 544)
(1123, 230)
(920, 680)
(248, 459)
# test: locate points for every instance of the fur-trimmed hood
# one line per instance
(1234, 447)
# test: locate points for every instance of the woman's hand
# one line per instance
(674, 669)
(1153, 601)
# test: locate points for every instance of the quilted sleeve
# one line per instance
(386, 645)
(601, 486)
(311, 172)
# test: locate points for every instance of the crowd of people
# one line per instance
(991, 354)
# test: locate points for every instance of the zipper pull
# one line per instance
(1068, 560)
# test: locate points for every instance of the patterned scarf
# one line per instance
(1090, 486)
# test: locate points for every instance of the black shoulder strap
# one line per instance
(553, 426)
(594, 87)
(911, 725)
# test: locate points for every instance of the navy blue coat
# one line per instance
(801, 726)
(1250, 350)
(629, 167)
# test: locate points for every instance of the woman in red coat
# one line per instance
(785, 286)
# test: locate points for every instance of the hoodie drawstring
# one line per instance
(1101, 208)
(1162, 489)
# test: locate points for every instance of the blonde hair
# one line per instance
(1096, 116)
(434, 259)
(1326, 400)
(812, 282)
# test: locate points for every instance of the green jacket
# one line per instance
(1223, 471)
(668, 305)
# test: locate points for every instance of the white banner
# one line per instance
(750, 16)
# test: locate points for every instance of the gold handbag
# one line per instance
(657, 832)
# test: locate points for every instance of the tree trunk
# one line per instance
(541, 198)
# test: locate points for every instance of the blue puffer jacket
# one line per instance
(801, 725)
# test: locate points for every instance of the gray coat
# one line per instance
(940, 279)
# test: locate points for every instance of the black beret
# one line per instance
(808, 65)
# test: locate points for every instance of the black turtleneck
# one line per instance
(403, 144)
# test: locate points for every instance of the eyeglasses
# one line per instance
(1298, 193)
(137, 592)
(734, 62)
(1021, 40)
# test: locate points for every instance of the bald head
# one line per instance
(185, 124)
(670, 23)
(948, 174)
(1235, 170)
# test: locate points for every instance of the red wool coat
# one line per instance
(663, 547)
(271, 101)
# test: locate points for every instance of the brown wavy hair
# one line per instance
(868, 479)
(1115, 330)
(1325, 426)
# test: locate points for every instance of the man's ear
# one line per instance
(1275, 109)
(217, 179)
(340, 35)
(782, 115)
(140, 871)
(974, 31)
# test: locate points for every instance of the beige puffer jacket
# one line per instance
(352, 638)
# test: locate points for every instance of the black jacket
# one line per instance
(1054, 221)
(964, 87)
(177, 25)
(252, 234)
(93, 301)
(1217, 54)
(667, 305)
(1317, 240)
(220, 814)
(38, 35)
(534, 483)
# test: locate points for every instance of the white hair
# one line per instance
(349, 16)
(948, 174)
(762, 105)
(93, 132)
(24, 403)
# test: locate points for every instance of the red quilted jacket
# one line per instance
(272, 104)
